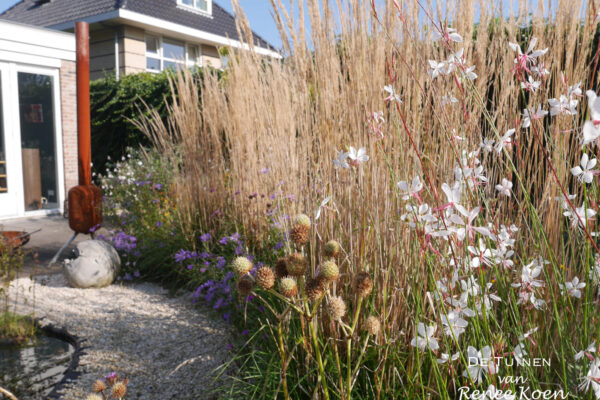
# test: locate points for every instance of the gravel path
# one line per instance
(167, 348)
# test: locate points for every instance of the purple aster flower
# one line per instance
(190, 267)
(158, 186)
(136, 274)
(224, 240)
(205, 237)
(158, 224)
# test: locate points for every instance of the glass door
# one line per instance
(38, 140)
(9, 173)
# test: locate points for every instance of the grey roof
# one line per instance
(53, 12)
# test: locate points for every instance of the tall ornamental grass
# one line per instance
(453, 156)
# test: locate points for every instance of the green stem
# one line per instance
(322, 376)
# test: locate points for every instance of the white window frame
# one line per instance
(195, 7)
(161, 58)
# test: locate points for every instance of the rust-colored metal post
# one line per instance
(84, 135)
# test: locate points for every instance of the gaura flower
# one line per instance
(505, 187)
(585, 171)
(424, 338)
(358, 156)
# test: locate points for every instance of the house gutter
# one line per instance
(117, 68)
(165, 27)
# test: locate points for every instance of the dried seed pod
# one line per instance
(315, 288)
(245, 286)
(363, 285)
(241, 266)
(296, 264)
(372, 325)
(265, 278)
(288, 287)
(119, 390)
(331, 249)
(329, 271)
(300, 232)
(281, 268)
(99, 386)
(336, 308)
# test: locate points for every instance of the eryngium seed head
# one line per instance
(336, 308)
(281, 268)
(245, 285)
(363, 285)
(241, 265)
(331, 249)
(372, 325)
(119, 390)
(329, 271)
(99, 386)
(302, 220)
(288, 287)
(315, 288)
(265, 278)
(300, 232)
(296, 264)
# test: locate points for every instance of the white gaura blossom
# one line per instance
(358, 156)
(530, 115)
(585, 171)
(453, 193)
(449, 34)
(531, 85)
(581, 216)
(524, 60)
(505, 187)
(437, 68)
(424, 339)
(321, 206)
(592, 379)
(479, 363)
(519, 354)
(591, 129)
(391, 94)
(340, 160)
(487, 145)
(572, 288)
(563, 106)
(505, 141)
(444, 358)
(447, 99)
(589, 350)
(408, 189)
(454, 325)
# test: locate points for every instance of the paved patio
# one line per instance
(43, 245)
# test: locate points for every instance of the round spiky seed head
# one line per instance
(296, 264)
(93, 397)
(265, 278)
(315, 288)
(288, 287)
(302, 220)
(241, 265)
(245, 285)
(329, 271)
(372, 325)
(299, 234)
(363, 284)
(281, 268)
(331, 249)
(119, 390)
(336, 308)
(99, 386)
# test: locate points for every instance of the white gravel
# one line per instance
(166, 347)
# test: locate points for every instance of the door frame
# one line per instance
(13, 126)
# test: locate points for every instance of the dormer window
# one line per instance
(202, 6)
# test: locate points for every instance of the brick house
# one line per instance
(38, 127)
(129, 36)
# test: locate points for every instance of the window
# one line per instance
(164, 53)
(203, 6)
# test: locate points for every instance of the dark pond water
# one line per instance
(31, 371)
